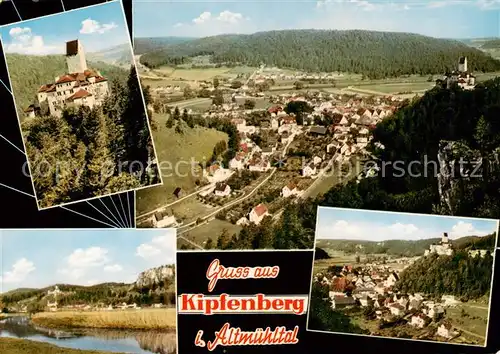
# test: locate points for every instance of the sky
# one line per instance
(350, 224)
(98, 27)
(438, 18)
(40, 258)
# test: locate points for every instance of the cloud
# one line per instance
(90, 257)
(204, 17)
(20, 270)
(113, 268)
(463, 228)
(229, 17)
(90, 26)
(209, 24)
(160, 248)
(23, 41)
(80, 261)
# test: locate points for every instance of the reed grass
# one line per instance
(143, 319)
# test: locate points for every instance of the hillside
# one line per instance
(149, 44)
(374, 54)
(120, 55)
(491, 44)
(403, 247)
(28, 73)
(459, 275)
(152, 286)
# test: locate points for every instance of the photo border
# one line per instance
(129, 41)
(405, 339)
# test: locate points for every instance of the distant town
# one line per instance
(372, 294)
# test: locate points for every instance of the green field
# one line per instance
(211, 230)
(394, 88)
(175, 153)
(471, 317)
(23, 346)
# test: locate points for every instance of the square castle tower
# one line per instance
(80, 86)
(76, 61)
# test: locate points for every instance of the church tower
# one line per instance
(75, 57)
(462, 64)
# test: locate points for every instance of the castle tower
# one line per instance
(75, 57)
(462, 64)
(444, 239)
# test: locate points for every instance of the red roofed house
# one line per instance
(258, 213)
(80, 86)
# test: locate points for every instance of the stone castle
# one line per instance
(80, 86)
(443, 248)
(462, 77)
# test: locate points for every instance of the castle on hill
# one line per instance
(443, 248)
(461, 77)
(80, 86)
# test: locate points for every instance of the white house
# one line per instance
(291, 189)
(237, 162)
(396, 309)
(446, 330)
(161, 220)
(258, 213)
(222, 189)
(418, 320)
(259, 165)
(309, 170)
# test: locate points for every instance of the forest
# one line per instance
(87, 152)
(452, 122)
(373, 54)
(461, 275)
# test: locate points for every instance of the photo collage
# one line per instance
(186, 177)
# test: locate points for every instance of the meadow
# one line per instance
(171, 147)
(146, 319)
(210, 230)
(23, 346)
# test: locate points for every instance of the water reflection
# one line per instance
(140, 342)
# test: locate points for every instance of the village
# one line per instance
(280, 155)
(368, 291)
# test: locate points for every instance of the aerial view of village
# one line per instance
(88, 291)
(80, 105)
(252, 133)
(399, 275)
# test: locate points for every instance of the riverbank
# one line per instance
(148, 319)
(23, 346)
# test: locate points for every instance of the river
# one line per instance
(123, 341)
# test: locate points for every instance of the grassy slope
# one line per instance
(22, 346)
(197, 143)
(28, 73)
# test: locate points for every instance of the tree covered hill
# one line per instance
(144, 45)
(404, 247)
(459, 275)
(29, 72)
(374, 54)
(152, 286)
(491, 44)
